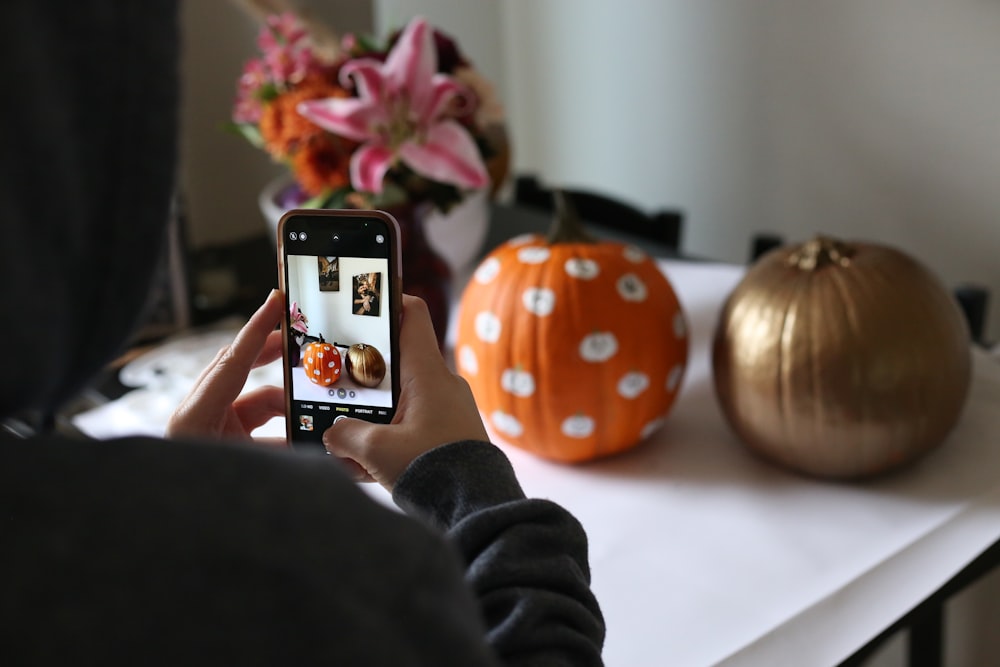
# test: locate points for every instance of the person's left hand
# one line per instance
(214, 407)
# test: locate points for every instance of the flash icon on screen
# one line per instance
(379, 238)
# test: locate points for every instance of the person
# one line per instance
(367, 300)
(205, 548)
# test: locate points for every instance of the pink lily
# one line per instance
(298, 319)
(401, 113)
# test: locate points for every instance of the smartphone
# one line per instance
(340, 272)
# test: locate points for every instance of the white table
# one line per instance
(703, 554)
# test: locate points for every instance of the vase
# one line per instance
(458, 235)
(294, 351)
(426, 274)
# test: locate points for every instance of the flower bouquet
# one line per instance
(408, 126)
(369, 125)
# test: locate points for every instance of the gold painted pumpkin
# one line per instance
(574, 349)
(841, 360)
(321, 362)
(365, 364)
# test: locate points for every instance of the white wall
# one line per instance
(882, 122)
(863, 119)
(858, 118)
(655, 101)
(474, 23)
(332, 313)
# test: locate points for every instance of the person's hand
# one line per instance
(436, 407)
(214, 407)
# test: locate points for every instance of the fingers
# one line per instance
(272, 349)
(355, 470)
(271, 352)
(418, 346)
(256, 408)
(428, 390)
(353, 441)
(208, 409)
(347, 438)
(224, 378)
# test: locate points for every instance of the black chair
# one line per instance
(974, 300)
(658, 233)
(760, 244)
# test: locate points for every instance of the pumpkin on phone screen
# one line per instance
(365, 364)
(574, 349)
(841, 359)
(321, 362)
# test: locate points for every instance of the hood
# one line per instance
(87, 166)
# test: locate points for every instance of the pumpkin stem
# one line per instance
(821, 251)
(566, 226)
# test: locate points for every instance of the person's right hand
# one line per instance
(436, 407)
(216, 407)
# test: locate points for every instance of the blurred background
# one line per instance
(859, 119)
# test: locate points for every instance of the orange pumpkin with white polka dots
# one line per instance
(574, 349)
(321, 362)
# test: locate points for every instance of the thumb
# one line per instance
(379, 452)
(418, 339)
(349, 440)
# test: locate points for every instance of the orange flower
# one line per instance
(283, 129)
(323, 163)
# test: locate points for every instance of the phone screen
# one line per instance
(340, 277)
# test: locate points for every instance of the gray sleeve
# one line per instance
(526, 559)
